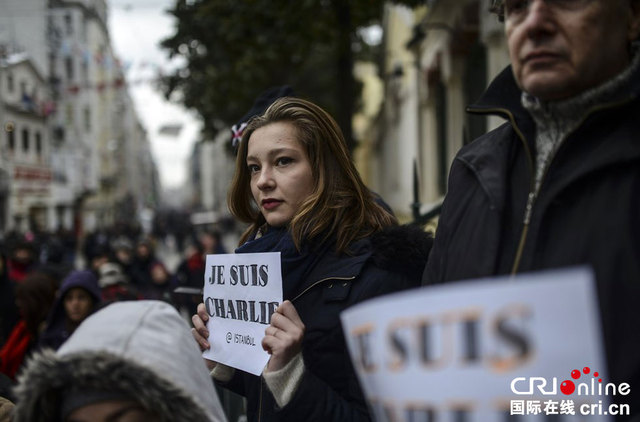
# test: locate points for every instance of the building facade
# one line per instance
(78, 158)
(212, 165)
(25, 144)
(438, 59)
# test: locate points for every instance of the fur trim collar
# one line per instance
(402, 249)
(47, 376)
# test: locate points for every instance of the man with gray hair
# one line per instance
(559, 183)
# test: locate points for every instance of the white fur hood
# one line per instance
(143, 348)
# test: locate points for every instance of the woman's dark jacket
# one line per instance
(587, 211)
(389, 261)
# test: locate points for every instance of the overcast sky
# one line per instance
(136, 27)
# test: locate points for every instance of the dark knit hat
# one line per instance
(260, 105)
(82, 278)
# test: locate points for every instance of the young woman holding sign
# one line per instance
(296, 185)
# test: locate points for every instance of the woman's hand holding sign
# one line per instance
(200, 332)
(283, 338)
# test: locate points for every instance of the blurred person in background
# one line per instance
(162, 284)
(558, 184)
(123, 254)
(96, 248)
(53, 258)
(69, 242)
(211, 242)
(34, 297)
(190, 273)
(78, 297)
(114, 284)
(133, 361)
(22, 259)
(143, 260)
(100, 254)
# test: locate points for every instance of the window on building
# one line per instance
(68, 64)
(69, 112)
(25, 140)
(23, 88)
(85, 71)
(57, 135)
(68, 24)
(38, 138)
(10, 82)
(101, 55)
(87, 119)
(11, 139)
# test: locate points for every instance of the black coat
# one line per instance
(329, 391)
(587, 212)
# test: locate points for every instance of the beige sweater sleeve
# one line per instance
(284, 382)
(222, 373)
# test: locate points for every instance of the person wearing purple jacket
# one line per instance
(78, 297)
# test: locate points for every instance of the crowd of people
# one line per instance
(557, 185)
(45, 294)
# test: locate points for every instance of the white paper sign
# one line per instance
(241, 292)
(483, 350)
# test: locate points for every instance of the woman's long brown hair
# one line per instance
(340, 206)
